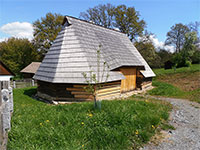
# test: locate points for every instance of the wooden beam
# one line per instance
(108, 96)
(75, 89)
(108, 89)
(80, 93)
(108, 93)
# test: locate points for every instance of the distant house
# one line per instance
(5, 73)
(74, 52)
(30, 70)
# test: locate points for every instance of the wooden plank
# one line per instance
(108, 89)
(80, 86)
(84, 96)
(107, 93)
(108, 96)
(80, 93)
(75, 89)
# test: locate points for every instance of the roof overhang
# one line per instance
(126, 66)
(11, 73)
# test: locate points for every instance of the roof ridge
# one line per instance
(92, 24)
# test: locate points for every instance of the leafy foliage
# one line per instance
(126, 19)
(119, 125)
(184, 58)
(176, 36)
(164, 56)
(18, 53)
(46, 30)
(147, 50)
(101, 15)
(195, 27)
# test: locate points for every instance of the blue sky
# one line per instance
(159, 15)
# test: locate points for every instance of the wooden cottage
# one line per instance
(30, 70)
(5, 73)
(74, 51)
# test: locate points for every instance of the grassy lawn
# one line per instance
(182, 83)
(125, 124)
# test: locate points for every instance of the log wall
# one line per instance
(75, 92)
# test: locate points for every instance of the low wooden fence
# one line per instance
(23, 83)
(6, 109)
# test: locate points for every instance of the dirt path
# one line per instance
(185, 117)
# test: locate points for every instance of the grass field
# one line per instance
(121, 124)
(182, 83)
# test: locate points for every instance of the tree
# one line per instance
(126, 19)
(96, 77)
(101, 15)
(18, 53)
(146, 48)
(164, 56)
(46, 30)
(184, 58)
(195, 27)
(176, 36)
(189, 46)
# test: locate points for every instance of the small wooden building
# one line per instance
(30, 70)
(5, 73)
(74, 51)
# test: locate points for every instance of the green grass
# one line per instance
(169, 90)
(165, 89)
(162, 71)
(40, 126)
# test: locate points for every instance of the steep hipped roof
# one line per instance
(31, 68)
(75, 51)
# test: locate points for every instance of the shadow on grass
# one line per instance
(32, 93)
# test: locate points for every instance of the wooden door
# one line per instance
(129, 83)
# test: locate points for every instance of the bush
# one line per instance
(196, 57)
(188, 63)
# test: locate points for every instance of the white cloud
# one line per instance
(158, 44)
(18, 29)
(161, 45)
(3, 39)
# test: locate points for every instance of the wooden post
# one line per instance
(33, 84)
(1, 119)
(14, 84)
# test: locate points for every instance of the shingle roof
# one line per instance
(6, 71)
(74, 52)
(31, 68)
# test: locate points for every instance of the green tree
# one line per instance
(126, 19)
(148, 51)
(184, 58)
(18, 53)
(45, 31)
(189, 46)
(176, 36)
(101, 15)
(164, 56)
(195, 27)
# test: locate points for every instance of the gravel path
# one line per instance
(185, 117)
